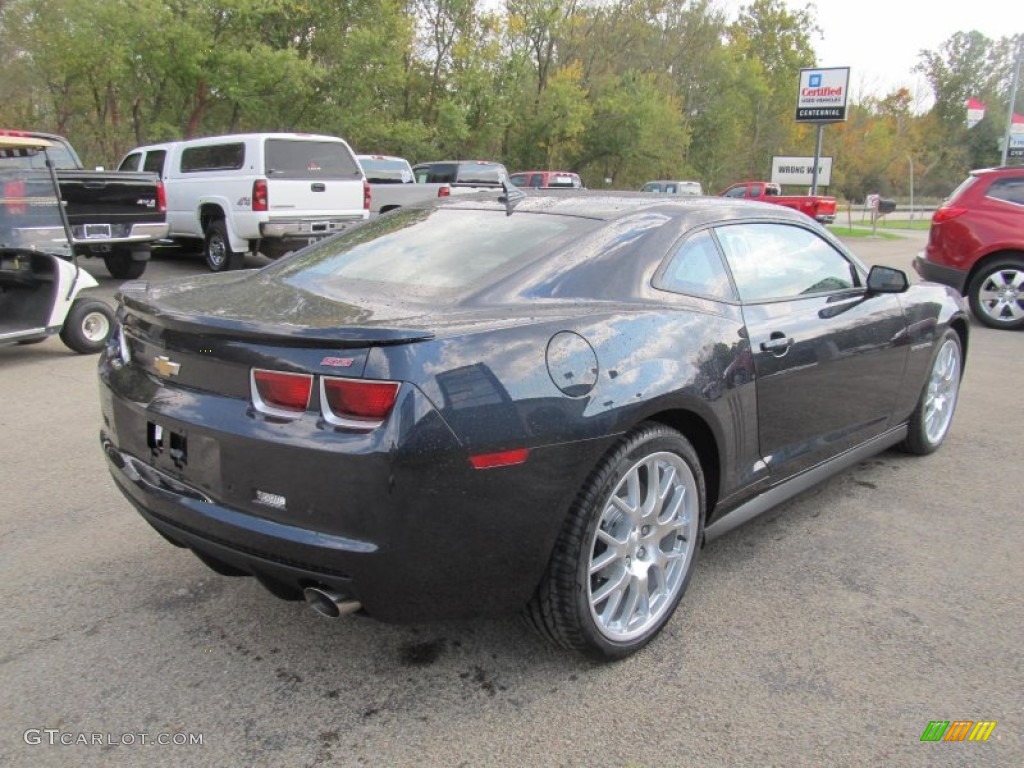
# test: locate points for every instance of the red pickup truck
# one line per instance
(818, 207)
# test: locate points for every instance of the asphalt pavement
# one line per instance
(829, 631)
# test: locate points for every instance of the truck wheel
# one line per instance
(219, 256)
(88, 326)
(121, 265)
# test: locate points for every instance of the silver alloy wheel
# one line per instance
(943, 389)
(95, 326)
(1001, 295)
(216, 251)
(642, 546)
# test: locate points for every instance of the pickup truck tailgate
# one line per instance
(312, 178)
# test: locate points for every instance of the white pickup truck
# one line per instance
(266, 192)
(393, 185)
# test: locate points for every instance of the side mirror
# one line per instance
(887, 280)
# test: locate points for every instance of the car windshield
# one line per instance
(427, 252)
(29, 210)
(385, 170)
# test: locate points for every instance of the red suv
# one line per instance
(976, 245)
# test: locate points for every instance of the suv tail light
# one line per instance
(281, 394)
(260, 196)
(945, 214)
(366, 195)
(161, 197)
(356, 403)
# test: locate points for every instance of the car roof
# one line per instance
(610, 206)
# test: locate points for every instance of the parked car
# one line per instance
(819, 207)
(673, 187)
(461, 173)
(547, 180)
(266, 192)
(393, 184)
(976, 245)
(114, 216)
(540, 403)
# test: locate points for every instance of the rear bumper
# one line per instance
(399, 521)
(313, 227)
(118, 234)
(939, 273)
(826, 218)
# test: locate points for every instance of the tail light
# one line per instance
(276, 393)
(357, 403)
(444, 191)
(161, 197)
(945, 214)
(14, 193)
(366, 195)
(260, 196)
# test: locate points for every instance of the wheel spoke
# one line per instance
(603, 560)
(610, 586)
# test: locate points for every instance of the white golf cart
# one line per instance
(40, 280)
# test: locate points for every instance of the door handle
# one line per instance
(778, 342)
(318, 187)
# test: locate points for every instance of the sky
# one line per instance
(880, 39)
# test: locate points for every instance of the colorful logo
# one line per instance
(958, 730)
(815, 81)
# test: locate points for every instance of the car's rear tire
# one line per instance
(996, 294)
(219, 254)
(121, 265)
(88, 326)
(627, 549)
(929, 423)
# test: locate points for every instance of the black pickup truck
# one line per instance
(114, 215)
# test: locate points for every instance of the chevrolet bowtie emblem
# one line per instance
(165, 367)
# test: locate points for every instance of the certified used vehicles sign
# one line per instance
(822, 95)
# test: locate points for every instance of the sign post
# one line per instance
(821, 99)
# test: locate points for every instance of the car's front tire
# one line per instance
(929, 423)
(996, 294)
(627, 549)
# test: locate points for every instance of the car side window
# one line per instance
(537, 180)
(696, 269)
(131, 162)
(652, 187)
(154, 162)
(1009, 190)
(736, 192)
(671, 189)
(782, 261)
(755, 190)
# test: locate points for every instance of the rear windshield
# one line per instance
(288, 159)
(564, 181)
(382, 170)
(425, 252)
(482, 173)
(61, 156)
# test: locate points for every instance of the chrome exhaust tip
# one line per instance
(329, 603)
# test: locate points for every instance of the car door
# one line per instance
(827, 358)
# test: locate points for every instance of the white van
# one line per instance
(266, 192)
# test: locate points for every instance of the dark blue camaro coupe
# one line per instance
(501, 404)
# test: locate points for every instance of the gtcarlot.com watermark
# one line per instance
(56, 737)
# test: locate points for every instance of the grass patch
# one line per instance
(861, 232)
